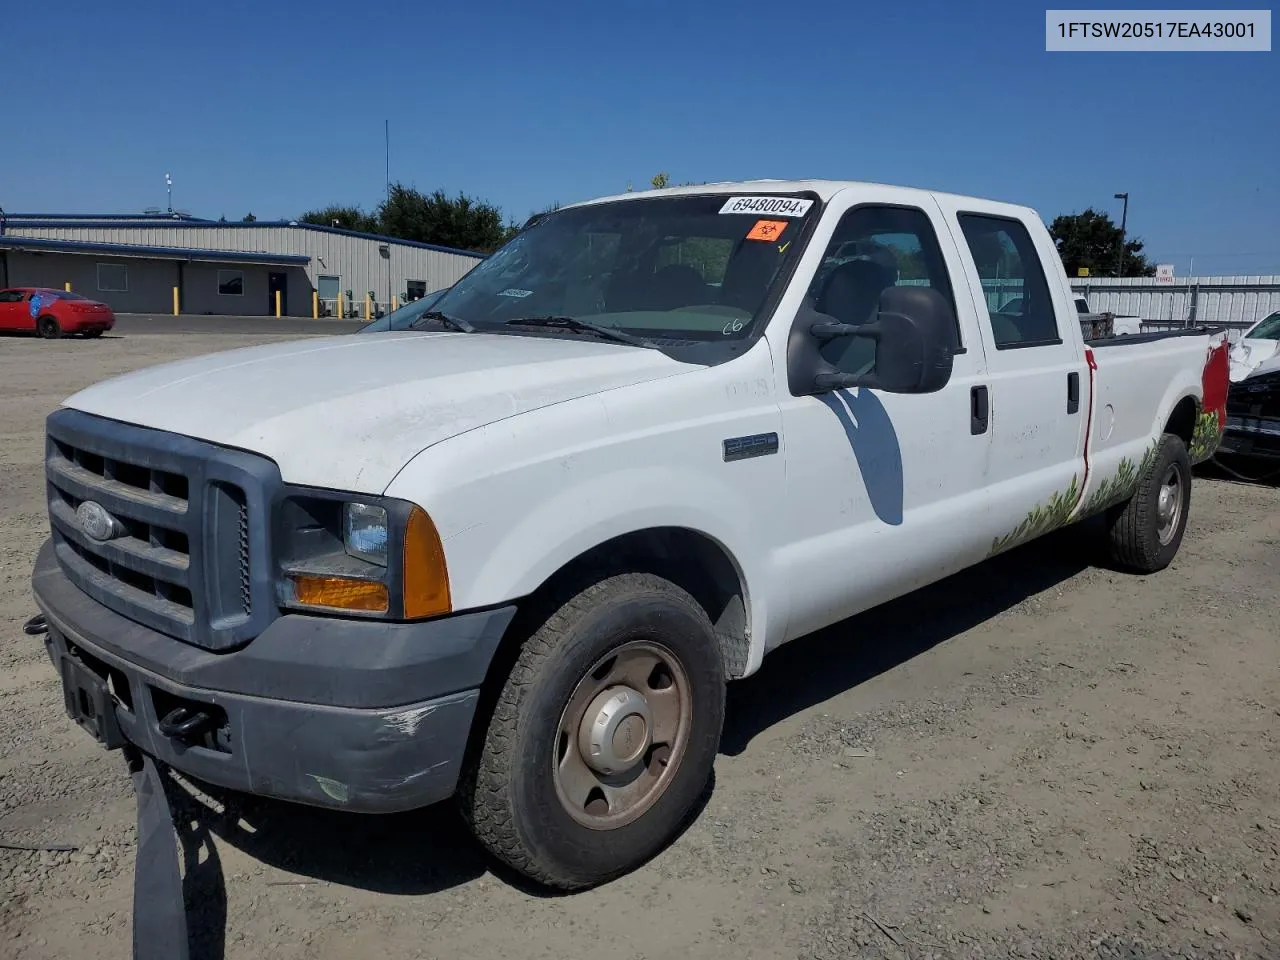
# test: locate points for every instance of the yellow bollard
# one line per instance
(395, 303)
(315, 304)
(68, 286)
(341, 315)
(277, 304)
(175, 301)
(368, 308)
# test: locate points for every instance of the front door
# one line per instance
(885, 492)
(280, 282)
(1039, 378)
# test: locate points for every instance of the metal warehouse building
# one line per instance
(141, 263)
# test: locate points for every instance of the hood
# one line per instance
(349, 412)
(1248, 354)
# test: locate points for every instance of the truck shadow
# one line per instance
(819, 666)
(407, 854)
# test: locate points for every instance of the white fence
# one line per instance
(1225, 302)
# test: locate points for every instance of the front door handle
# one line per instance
(978, 412)
(1073, 393)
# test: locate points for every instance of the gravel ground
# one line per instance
(1049, 760)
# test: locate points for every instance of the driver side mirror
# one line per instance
(915, 343)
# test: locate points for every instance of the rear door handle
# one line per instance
(1073, 393)
(978, 413)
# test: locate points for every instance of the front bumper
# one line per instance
(358, 715)
(1250, 436)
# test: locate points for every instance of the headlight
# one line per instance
(365, 532)
(381, 559)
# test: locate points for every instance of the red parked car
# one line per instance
(53, 313)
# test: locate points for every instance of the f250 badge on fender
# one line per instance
(96, 522)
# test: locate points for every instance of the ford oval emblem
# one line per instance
(96, 522)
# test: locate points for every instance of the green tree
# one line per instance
(248, 218)
(659, 180)
(348, 218)
(1091, 239)
(462, 221)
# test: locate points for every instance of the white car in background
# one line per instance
(1257, 347)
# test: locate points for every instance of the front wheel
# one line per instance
(48, 328)
(1145, 532)
(603, 736)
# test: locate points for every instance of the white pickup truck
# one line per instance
(514, 554)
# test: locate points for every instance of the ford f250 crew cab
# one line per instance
(513, 555)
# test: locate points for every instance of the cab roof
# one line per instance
(825, 189)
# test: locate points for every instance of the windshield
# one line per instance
(1266, 329)
(674, 267)
(403, 318)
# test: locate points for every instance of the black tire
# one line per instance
(1142, 538)
(508, 792)
(48, 328)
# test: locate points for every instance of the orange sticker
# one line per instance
(767, 230)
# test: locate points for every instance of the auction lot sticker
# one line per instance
(774, 206)
(1154, 31)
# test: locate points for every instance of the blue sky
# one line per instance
(276, 107)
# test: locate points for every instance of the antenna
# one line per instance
(168, 184)
(386, 128)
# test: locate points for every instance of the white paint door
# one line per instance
(885, 492)
(1035, 364)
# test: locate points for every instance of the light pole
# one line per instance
(1124, 219)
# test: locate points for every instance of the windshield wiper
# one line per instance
(454, 323)
(583, 326)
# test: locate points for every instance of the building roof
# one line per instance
(39, 245)
(123, 220)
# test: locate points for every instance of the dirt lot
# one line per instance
(1053, 760)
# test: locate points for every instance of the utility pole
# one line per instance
(386, 130)
(1124, 219)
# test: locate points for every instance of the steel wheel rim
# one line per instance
(1169, 505)
(622, 735)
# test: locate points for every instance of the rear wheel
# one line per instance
(48, 328)
(1145, 532)
(603, 736)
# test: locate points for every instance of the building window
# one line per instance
(113, 278)
(415, 289)
(231, 283)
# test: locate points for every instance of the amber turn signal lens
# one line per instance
(426, 579)
(341, 593)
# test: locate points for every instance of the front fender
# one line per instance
(517, 500)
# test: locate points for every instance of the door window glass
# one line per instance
(874, 248)
(1016, 292)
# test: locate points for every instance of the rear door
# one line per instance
(13, 311)
(1038, 374)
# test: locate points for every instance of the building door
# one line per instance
(280, 282)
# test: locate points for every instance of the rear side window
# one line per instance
(1013, 282)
